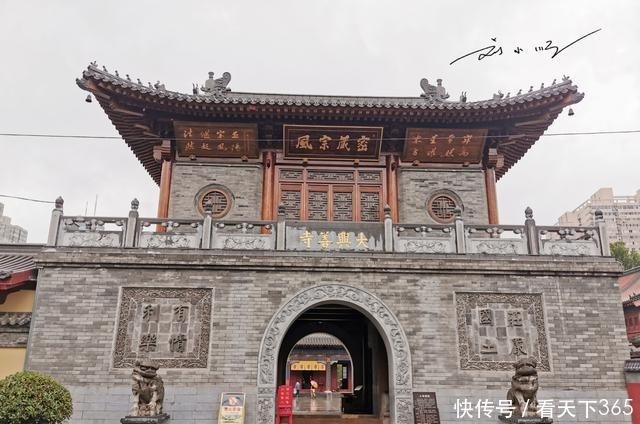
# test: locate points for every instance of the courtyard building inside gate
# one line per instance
(372, 220)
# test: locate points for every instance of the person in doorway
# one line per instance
(314, 386)
(296, 388)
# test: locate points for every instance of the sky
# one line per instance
(345, 47)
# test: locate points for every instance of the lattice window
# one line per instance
(290, 174)
(369, 176)
(441, 208)
(330, 176)
(291, 200)
(370, 207)
(342, 206)
(220, 200)
(318, 206)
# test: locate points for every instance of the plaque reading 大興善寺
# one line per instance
(216, 140)
(332, 142)
(444, 145)
(425, 408)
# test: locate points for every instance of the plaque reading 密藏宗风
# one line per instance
(215, 140)
(444, 145)
(332, 142)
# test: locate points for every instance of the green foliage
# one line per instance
(29, 397)
(629, 258)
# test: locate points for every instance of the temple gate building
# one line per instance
(372, 219)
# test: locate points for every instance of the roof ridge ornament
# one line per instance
(216, 87)
(433, 92)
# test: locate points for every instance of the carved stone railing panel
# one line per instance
(178, 234)
(91, 239)
(572, 241)
(497, 247)
(91, 231)
(232, 235)
(169, 241)
(244, 242)
(570, 248)
(424, 239)
(496, 240)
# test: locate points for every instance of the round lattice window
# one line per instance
(220, 202)
(442, 208)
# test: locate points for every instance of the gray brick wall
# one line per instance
(73, 328)
(416, 186)
(244, 181)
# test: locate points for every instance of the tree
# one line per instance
(629, 258)
(29, 397)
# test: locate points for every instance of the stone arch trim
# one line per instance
(400, 379)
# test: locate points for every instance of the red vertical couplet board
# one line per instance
(284, 404)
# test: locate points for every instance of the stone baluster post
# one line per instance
(533, 240)
(388, 229)
(56, 222)
(131, 229)
(605, 249)
(207, 225)
(281, 230)
(459, 229)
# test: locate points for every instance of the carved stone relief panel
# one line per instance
(169, 325)
(496, 329)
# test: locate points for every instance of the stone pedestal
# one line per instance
(524, 420)
(157, 419)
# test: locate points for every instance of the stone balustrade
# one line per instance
(459, 238)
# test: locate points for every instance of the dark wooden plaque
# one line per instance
(216, 140)
(332, 142)
(425, 408)
(444, 145)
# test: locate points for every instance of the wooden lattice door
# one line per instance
(347, 195)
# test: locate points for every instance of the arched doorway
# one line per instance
(375, 314)
(365, 348)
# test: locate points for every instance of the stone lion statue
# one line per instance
(148, 390)
(524, 388)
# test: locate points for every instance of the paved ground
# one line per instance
(325, 409)
(323, 404)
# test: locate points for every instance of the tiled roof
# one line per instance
(10, 264)
(319, 339)
(16, 273)
(133, 108)
(231, 97)
(15, 319)
(632, 365)
(629, 285)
